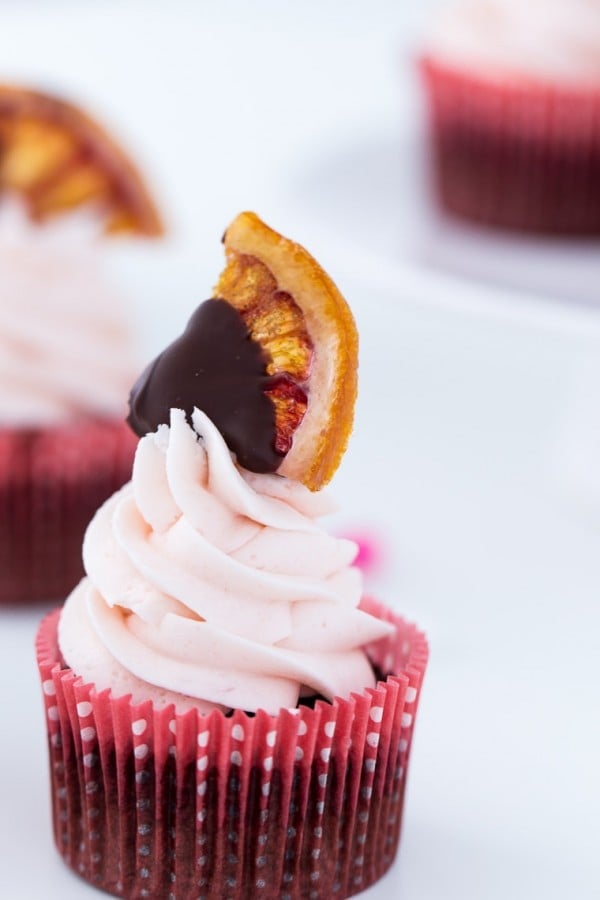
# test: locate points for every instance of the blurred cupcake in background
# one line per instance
(513, 92)
(66, 347)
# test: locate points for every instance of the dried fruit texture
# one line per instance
(295, 312)
(57, 158)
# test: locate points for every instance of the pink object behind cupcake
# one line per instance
(66, 358)
(514, 104)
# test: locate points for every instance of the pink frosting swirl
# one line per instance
(208, 585)
(556, 40)
(66, 348)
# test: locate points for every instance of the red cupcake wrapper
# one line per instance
(51, 483)
(522, 156)
(303, 805)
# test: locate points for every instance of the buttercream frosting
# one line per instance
(540, 39)
(65, 343)
(208, 585)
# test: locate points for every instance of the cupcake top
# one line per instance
(210, 582)
(549, 40)
(65, 342)
(210, 585)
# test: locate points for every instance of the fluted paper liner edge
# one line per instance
(305, 804)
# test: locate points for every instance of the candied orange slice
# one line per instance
(295, 312)
(57, 158)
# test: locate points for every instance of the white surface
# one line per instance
(465, 430)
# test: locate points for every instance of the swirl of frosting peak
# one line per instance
(209, 585)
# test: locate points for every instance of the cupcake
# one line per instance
(227, 715)
(513, 92)
(66, 349)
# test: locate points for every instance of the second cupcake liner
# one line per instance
(521, 154)
(51, 483)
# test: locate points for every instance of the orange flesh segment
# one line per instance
(276, 323)
(271, 316)
(32, 152)
(78, 185)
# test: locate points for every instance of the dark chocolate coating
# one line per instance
(216, 367)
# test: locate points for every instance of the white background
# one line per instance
(477, 440)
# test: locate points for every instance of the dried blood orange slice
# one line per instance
(57, 158)
(293, 310)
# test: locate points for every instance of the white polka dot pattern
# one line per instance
(237, 733)
(150, 784)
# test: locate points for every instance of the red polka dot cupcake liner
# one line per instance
(299, 806)
(521, 156)
(52, 481)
